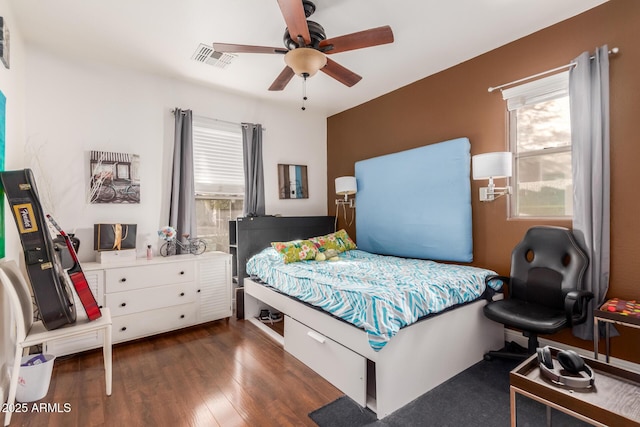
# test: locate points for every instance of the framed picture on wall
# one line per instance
(292, 181)
(4, 42)
(114, 177)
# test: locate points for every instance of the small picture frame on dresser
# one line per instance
(4, 42)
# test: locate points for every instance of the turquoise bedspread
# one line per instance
(379, 294)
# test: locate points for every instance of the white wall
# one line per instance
(75, 107)
(12, 85)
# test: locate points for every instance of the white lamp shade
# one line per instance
(492, 165)
(346, 185)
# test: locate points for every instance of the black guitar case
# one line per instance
(50, 288)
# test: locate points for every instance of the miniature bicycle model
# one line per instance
(192, 246)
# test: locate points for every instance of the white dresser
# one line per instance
(148, 297)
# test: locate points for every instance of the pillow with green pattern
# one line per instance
(295, 250)
(339, 241)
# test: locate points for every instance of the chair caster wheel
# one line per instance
(488, 357)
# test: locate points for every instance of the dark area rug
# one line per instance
(478, 396)
(342, 412)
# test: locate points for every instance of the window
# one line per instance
(219, 179)
(540, 139)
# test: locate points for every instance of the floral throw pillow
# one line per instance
(339, 241)
(296, 250)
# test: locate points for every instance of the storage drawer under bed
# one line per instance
(337, 364)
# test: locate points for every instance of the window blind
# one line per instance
(537, 91)
(217, 158)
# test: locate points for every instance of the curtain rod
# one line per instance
(613, 51)
(173, 110)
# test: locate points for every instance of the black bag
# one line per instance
(114, 237)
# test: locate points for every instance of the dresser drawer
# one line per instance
(340, 366)
(137, 277)
(122, 303)
(153, 322)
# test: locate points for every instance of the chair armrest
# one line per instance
(575, 306)
(489, 291)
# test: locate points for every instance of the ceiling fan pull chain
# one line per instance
(304, 90)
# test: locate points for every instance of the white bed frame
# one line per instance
(417, 359)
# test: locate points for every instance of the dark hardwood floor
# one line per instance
(225, 373)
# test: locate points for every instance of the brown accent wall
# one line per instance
(455, 103)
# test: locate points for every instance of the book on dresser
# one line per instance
(148, 297)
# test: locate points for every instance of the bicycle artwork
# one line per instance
(193, 246)
(114, 178)
(110, 193)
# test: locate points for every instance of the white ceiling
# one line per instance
(160, 36)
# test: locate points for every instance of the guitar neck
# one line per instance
(67, 240)
(78, 278)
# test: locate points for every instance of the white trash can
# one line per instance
(35, 376)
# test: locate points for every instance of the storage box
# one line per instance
(113, 237)
(108, 257)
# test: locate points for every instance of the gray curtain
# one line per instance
(253, 172)
(589, 98)
(182, 212)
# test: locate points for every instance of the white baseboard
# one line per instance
(511, 335)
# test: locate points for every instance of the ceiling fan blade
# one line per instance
(282, 80)
(243, 48)
(359, 40)
(296, 20)
(341, 74)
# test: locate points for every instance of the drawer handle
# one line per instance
(182, 273)
(124, 328)
(124, 279)
(181, 294)
(124, 304)
(315, 336)
(198, 290)
(182, 316)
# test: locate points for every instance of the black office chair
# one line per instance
(544, 290)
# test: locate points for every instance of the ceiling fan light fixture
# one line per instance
(305, 61)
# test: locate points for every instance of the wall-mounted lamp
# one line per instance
(490, 166)
(345, 186)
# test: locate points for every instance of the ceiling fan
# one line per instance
(306, 46)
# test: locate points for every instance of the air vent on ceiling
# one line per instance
(207, 55)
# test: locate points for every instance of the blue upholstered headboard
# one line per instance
(417, 203)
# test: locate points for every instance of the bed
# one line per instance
(387, 368)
